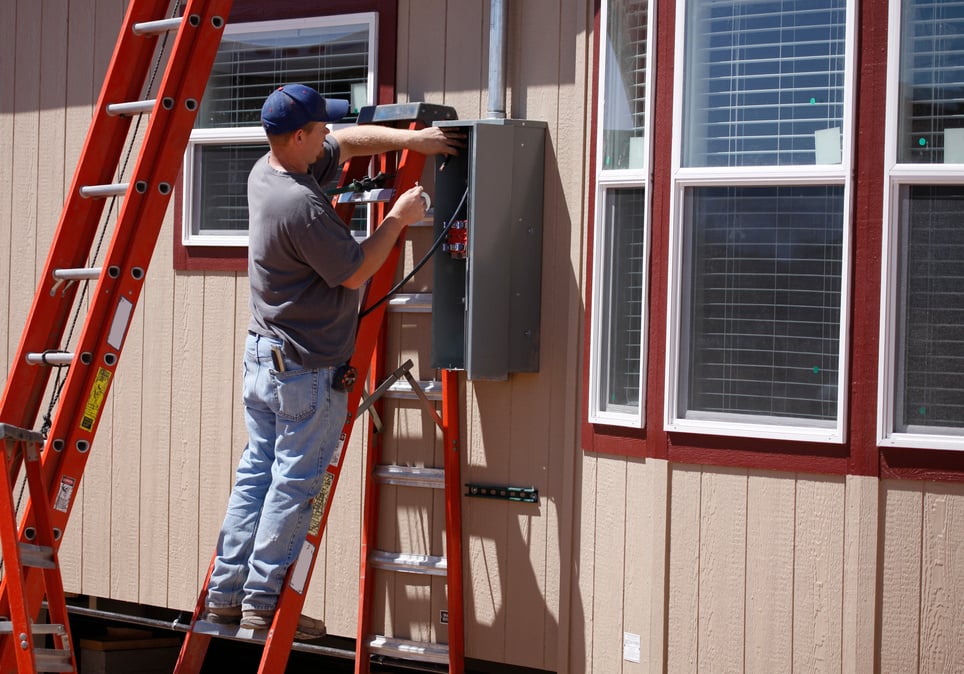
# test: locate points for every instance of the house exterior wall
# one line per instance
(715, 569)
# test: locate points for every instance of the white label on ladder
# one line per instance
(336, 457)
(299, 574)
(63, 494)
(119, 325)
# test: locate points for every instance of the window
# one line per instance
(622, 218)
(759, 237)
(922, 358)
(335, 54)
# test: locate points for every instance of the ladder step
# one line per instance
(410, 303)
(402, 390)
(82, 274)
(101, 191)
(131, 108)
(50, 358)
(6, 627)
(430, 565)
(156, 27)
(53, 660)
(377, 196)
(409, 650)
(38, 556)
(21, 434)
(410, 476)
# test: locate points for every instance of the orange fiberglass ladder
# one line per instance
(32, 537)
(396, 173)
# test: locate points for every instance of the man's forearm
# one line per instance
(369, 139)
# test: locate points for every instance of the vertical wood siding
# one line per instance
(712, 569)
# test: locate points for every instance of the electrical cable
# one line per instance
(421, 263)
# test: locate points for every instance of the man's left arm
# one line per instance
(369, 139)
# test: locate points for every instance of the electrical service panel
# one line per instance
(486, 297)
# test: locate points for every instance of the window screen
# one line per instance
(932, 82)
(930, 352)
(764, 82)
(763, 275)
(620, 323)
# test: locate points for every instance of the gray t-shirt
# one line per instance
(299, 254)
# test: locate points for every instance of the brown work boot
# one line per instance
(222, 615)
(307, 629)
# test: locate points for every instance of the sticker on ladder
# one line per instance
(118, 326)
(97, 394)
(299, 574)
(64, 493)
(318, 505)
(336, 457)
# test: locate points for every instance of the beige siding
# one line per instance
(712, 569)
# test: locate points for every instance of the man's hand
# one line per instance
(409, 208)
(436, 140)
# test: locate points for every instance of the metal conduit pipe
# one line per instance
(498, 24)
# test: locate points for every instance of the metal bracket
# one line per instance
(506, 493)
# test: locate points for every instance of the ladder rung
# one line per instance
(410, 476)
(22, 434)
(81, 274)
(52, 660)
(431, 565)
(411, 303)
(402, 390)
(377, 196)
(94, 191)
(131, 108)
(155, 27)
(6, 627)
(37, 556)
(51, 358)
(409, 650)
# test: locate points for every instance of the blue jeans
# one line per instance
(294, 420)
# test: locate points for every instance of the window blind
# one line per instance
(763, 276)
(249, 65)
(930, 366)
(932, 79)
(762, 77)
(624, 117)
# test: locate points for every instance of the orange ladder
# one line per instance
(398, 176)
(127, 92)
(373, 559)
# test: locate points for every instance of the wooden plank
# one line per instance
(157, 302)
(185, 556)
(580, 635)
(723, 512)
(861, 529)
(942, 579)
(609, 566)
(641, 544)
(214, 366)
(421, 71)
(899, 600)
(817, 576)
(769, 571)
(8, 73)
(684, 570)
(467, 25)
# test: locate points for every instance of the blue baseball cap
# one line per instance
(290, 107)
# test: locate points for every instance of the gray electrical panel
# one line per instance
(486, 297)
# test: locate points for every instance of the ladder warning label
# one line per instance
(64, 493)
(97, 394)
(318, 506)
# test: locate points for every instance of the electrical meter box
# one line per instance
(486, 297)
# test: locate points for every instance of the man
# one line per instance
(305, 269)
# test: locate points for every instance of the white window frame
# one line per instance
(612, 179)
(744, 425)
(255, 134)
(896, 176)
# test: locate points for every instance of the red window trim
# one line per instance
(859, 455)
(235, 258)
